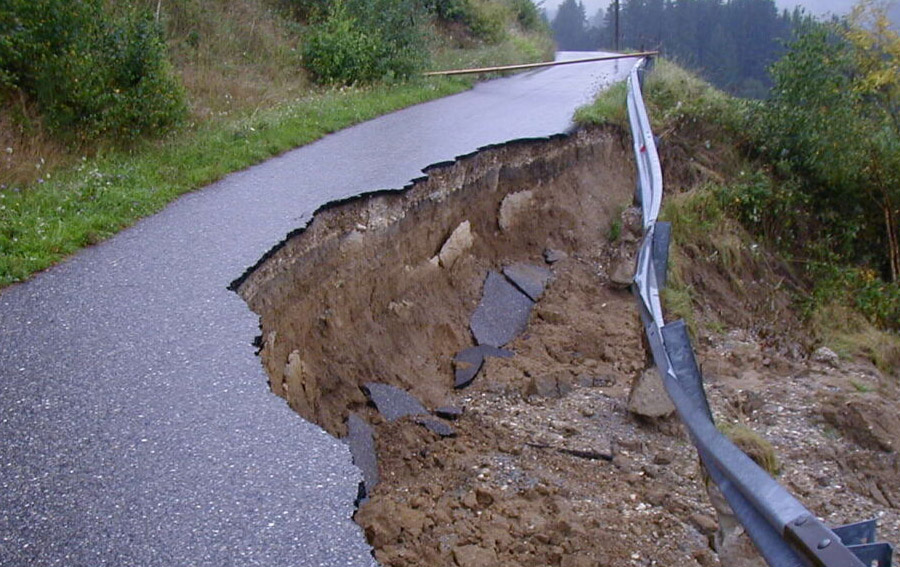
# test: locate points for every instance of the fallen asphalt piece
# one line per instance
(502, 312)
(136, 425)
(392, 402)
(437, 426)
(468, 363)
(530, 279)
(361, 442)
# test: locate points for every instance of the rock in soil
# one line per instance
(648, 396)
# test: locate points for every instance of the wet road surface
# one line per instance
(136, 426)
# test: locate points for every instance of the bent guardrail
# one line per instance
(783, 530)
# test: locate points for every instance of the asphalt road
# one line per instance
(136, 427)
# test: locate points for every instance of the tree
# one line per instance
(570, 26)
(876, 55)
(833, 119)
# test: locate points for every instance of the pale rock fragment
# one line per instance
(512, 207)
(459, 242)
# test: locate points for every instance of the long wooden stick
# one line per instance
(538, 65)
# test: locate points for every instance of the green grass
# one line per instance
(608, 108)
(42, 223)
(515, 49)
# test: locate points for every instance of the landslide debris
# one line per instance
(541, 456)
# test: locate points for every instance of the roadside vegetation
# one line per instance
(108, 111)
(808, 179)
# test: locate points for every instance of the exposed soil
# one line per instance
(548, 465)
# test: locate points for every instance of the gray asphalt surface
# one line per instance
(136, 426)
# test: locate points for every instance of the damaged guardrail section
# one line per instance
(783, 530)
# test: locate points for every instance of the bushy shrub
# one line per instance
(877, 300)
(449, 10)
(776, 210)
(337, 50)
(305, 10)
(365, 40)
(527, 14)
(488, 20)
(92, 76)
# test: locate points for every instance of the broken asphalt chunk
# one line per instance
(436, 426)
(531, 280)
(392, 402)
(468, 362)
(449, 412)
(361, 442)
(502, 313)
(466, 365)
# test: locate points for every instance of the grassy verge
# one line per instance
(515, 49)
(78, 206)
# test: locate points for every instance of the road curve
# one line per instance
(136, 427)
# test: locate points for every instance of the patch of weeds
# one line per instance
(702, 228)
(716, 327)
(676, 96)
(615, 231)
(608, 108)
(754, 445)
(677, 296)
(851, 335)
(861, 388)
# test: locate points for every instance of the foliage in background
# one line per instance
(732, 192)
(833, 124)
(92, 75)
(488, 20)
(360, 41)
(731, 42)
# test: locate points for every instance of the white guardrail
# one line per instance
(783, 530)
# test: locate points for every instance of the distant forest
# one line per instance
(731, 42)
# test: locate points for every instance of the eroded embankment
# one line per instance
(365, 295)
(551, 463)
(357, 297)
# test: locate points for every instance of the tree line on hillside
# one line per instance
(731, 42)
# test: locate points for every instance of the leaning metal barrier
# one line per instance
(783, 530)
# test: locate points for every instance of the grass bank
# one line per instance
(80, 205)
(248, 93)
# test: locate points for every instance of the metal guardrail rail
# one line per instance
(783, 530)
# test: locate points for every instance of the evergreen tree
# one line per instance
(732, 42)
(570, 26)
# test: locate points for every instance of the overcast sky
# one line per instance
(813, 6)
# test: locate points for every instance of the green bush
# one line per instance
(305, 10)
(449, 10)
(361, 41)
(93, 76)
(877, 300)
(775, 210)
(488, 20)
(527, 14)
